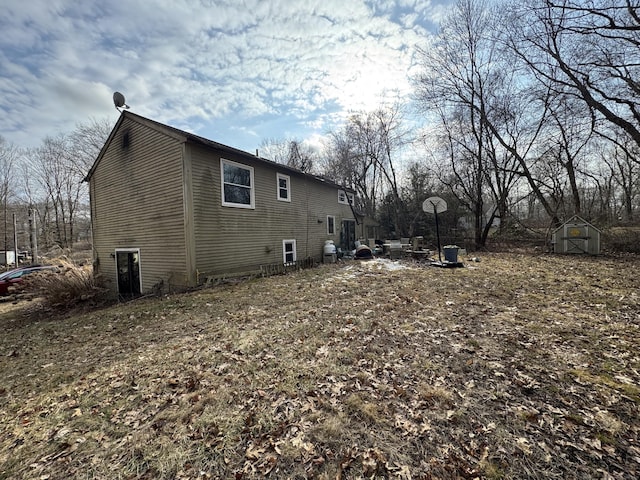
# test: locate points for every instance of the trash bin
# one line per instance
(395, 249)
(451, 253)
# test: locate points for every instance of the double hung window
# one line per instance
(344, 197)
(288, 251)
(284, 187)
(237, 184)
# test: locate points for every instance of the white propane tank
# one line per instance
(329, 252)
(329, 247)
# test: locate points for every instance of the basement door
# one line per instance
(128, 268)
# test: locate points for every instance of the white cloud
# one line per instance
(208, 62)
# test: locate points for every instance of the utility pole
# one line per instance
(6, 255)
(33, 235)
(15, 240)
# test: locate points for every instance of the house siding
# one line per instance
(159, 193)
(137, 202)
(238, 240)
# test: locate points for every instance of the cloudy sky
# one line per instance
(234, 71)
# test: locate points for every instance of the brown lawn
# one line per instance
(518, 366)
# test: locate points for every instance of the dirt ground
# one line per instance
(517, 366)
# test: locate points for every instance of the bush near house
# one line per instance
(68, 287)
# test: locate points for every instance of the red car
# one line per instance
(11, 277)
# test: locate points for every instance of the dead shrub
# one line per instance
(69, 286)
(622, 239)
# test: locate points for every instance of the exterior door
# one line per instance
(348, 235)
(577, 238)
(128, 268)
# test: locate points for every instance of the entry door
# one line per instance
(348, 235)
(128, 267)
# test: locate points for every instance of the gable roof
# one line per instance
(577, 219)
(182, 136)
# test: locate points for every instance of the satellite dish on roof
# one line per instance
(118, 101)
(434, 205)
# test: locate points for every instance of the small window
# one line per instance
(237, 184)
(284, 187)
(344, 197)
(289, 251)
(331, 225)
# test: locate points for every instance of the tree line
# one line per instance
(44, 200)
(523, 114)
(529, 112)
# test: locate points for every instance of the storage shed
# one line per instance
(576, 235)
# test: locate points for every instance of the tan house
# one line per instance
(170, 210)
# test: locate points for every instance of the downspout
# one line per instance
(92, 217)
(191, 272)
(306, 244)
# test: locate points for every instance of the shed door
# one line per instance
(128, 268)
(577, 239)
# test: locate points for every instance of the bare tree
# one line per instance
(346, 167)
(621, 158)
(58, 168)
(50, 180)
(589, 49)
(300, 156)
(568, 134)
(292, 153)
(47, 167)
(418, 185)
(363, 156)
(464, 83)
(87, 139)
(9, 157)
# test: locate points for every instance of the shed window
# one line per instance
(284, 187)
(237, 184)
(288, 251)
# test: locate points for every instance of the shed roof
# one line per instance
(182, 136)
(577, 219)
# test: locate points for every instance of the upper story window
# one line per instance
(344, 197)
(237, 184)
(284, 187)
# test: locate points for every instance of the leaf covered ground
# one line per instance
(517, 366)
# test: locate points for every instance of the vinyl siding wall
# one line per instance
(233, 240)
(137, 202)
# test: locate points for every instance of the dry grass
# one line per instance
(516, 367)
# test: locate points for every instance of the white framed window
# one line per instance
(284, 187)
(345, 197)
(331, 225)
(237, 184)
(288, 251)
